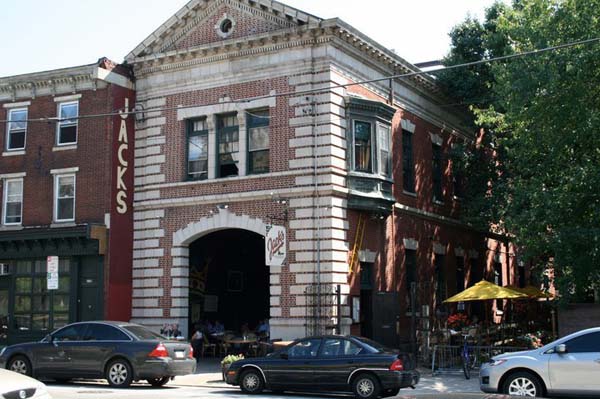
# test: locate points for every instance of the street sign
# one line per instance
(52, 268)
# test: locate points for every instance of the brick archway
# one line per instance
(223, 220)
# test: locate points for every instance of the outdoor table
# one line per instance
(241, 341)
(281, 344)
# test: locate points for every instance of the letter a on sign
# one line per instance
(275, 246)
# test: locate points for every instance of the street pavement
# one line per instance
(207, 383)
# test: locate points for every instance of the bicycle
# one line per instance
(467, 356)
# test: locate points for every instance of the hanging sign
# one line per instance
(52, 268)
(275, 246)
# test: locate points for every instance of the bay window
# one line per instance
(362, 146)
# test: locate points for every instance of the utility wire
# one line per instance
(331, 87)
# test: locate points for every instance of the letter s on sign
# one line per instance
(121, 204)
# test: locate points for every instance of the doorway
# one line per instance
(229, 281)
(4, 297)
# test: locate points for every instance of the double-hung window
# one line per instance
(17, 129)
(437, 172)
(228, 145)
(13, 202)
(385, 161)
(67, 124)
(408, 168)
(258, 141)
(197, 144)
(362, 146)
(64, 198)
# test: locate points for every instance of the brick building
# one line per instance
(254, 122)
(66, 180)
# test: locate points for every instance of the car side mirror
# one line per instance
(560, 349)
(284, 356)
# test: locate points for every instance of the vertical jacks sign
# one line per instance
(123, 164)
(275, 246)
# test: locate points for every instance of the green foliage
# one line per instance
(537, 174)
(227, 360)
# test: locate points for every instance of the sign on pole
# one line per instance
(275, 246)
(52, 266)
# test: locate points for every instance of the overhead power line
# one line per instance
(330, 87)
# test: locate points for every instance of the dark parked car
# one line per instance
(327, 363)
(117, 351)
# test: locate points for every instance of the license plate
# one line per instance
(179, 354)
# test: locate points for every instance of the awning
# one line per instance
(485, 290)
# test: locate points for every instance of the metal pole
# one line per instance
(413, 319)
(339, 308)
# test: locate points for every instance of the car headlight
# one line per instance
(497, 362)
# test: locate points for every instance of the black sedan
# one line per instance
(327, 363)
(119, 352)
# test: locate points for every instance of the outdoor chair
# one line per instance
(208, 347)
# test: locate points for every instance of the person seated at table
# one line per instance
(263, 328)
(245, 329)
(210, 327)
(219, 327)
(175, 332)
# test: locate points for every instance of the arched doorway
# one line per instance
(229, 281)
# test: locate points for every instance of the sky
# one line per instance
(39, 35)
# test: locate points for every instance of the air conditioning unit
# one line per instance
(4, 269)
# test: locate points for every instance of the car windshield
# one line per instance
(373, 346)
(143, 333)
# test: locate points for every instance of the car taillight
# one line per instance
(191, 355)
(159, 351)
(397, 365)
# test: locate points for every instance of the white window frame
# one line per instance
(381, 127)
(57, 178)
(5, 201)
(8, 130)
(62, 123)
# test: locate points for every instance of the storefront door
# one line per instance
(4, 287)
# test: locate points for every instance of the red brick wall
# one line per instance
(246, 25)
(92, 156)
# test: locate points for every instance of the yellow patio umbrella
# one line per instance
(484, 290)
(532, 292)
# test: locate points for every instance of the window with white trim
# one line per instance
(13, 202)
(64, 198)
(197, 145)
(385, 160)
(67, 124)
(17, 129)
(258, 141)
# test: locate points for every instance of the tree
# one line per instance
(543, 122)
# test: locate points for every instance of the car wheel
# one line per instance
(119, 373)
(20, 364)
(251, 382)
(158, 382)
(523, 384)
(365, 386)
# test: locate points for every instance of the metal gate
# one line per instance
(322, 309)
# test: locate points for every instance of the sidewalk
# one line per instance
(208, 375)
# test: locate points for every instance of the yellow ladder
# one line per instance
(358, 240)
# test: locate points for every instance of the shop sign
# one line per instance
(275, 246)
(123, 164)
(52, 269)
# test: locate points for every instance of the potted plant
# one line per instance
(226, 362)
